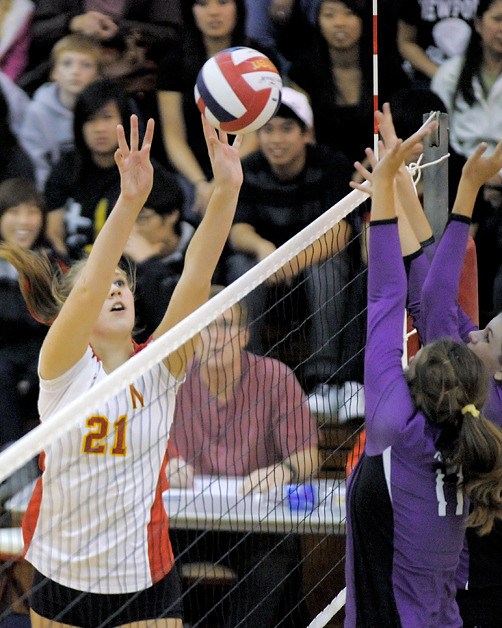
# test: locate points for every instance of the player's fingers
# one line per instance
(362, 170)
(498, 148)
(237, 141)
(121, 140)
(209, 135)
(147, 140)
(223, 135)
(362, 187)
(370, 155)
(372, 158)
(134, 136)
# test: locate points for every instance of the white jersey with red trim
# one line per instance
(97, 521)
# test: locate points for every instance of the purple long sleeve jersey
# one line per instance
(432, 296)
(406, 513)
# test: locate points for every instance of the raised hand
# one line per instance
(225, 160)
(135, 167)
(392, 158)
(386, 126)
(479, 169)
(366, 175)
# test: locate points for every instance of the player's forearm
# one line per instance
(410, 203)
(466, 198)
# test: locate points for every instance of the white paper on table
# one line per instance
(218, 485)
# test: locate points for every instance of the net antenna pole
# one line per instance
(435, 177)
(375, 76)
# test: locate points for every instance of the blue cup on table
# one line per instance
(300, 496)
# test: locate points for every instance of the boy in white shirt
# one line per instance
(47, 129)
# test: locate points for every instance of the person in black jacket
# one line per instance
(84, 184)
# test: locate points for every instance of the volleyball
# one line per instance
(238, 90)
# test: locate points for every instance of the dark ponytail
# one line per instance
(480, 454)
(449, 386)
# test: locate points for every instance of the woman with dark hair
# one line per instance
(210, 26)
(428, 448)
(336, 72)
(471, 88)
(22, 222)
(84, 185)
(471, 85)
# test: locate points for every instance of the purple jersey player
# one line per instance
(407, 508)
(433, 300)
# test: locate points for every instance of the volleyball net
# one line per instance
(273, 554)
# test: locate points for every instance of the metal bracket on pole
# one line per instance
(436, 177)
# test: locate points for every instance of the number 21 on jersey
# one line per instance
(97, 440)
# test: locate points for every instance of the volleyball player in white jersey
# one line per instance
(96, 530)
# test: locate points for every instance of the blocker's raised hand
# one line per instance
(479, 169)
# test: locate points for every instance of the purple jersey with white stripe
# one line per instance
(433, 302)
(406, 513)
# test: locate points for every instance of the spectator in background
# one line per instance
(15, 35)
(209, 27)
(83, 186)
(157, 245)
(238, 414)
(289, 183)
(22, 222)
(470, 87)
(152, 23)
(287, 26)
(284, 26)
(47, 129)
(134, 34)
(14, 161)
(430, 32)
(336, 73)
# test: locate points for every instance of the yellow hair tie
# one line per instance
(471, 408)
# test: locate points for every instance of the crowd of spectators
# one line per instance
(71, 70)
